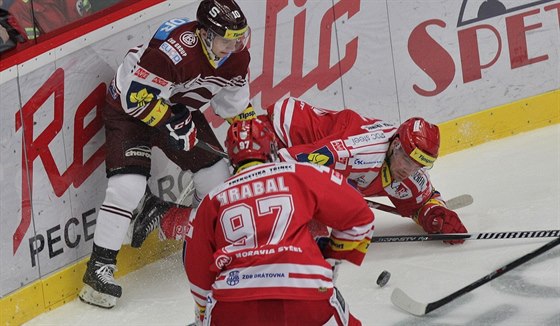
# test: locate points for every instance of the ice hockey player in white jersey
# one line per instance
(155, 100)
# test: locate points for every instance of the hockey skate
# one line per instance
(100, 288)
(148, 217)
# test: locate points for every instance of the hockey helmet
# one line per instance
(225, 19)
(250, 140)
(420, 140)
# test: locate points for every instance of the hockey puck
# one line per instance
(383, 278)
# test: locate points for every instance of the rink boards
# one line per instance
(479, 79)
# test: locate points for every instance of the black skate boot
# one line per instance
(100, 288)
(148, 217)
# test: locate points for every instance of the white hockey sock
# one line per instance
(122, 196)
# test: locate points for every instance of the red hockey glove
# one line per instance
(435, 218)
(182, 131)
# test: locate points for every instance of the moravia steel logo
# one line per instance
(514, 30)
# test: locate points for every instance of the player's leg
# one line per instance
(113, 219)
(128, 166)
(209, 170)
(275, 312)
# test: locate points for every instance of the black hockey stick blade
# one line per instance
(406, 303)
(468, 236)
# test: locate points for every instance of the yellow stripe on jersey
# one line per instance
(349, 245)
(158, 112)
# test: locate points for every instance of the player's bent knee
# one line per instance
(125, 190)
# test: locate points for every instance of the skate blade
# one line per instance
(96, 298)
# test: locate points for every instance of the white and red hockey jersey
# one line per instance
(172, 68)
(249, 238)
(354, 145)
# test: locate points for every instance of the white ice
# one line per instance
(515, 183)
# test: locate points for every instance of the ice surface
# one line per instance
(515, 183)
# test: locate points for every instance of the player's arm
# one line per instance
(232, 101)
(427, 207)
(198, 255)
(145, 85)
(434, 217)
(342, 208)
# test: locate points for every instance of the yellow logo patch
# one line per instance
(318, 158)
(142, 97)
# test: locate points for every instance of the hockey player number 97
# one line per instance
(240, 224)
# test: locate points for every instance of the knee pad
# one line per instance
(125, 191)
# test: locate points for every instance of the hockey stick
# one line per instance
(469, 236)
(211, 148)
(406, 303)
(186, 194)
(453, 203)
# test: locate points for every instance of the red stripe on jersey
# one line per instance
(309, 276)
(198, 295)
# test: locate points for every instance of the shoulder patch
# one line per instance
(321, 156)
(140, 95)
(167, 27)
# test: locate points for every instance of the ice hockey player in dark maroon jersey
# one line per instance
(249, 255)
(155, 100)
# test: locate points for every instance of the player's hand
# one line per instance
(436, 218)
(182, 131)
(323, 243)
